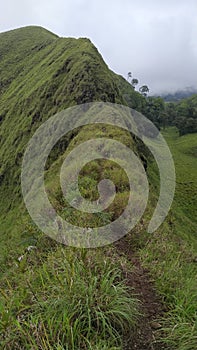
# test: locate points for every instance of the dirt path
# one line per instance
(151, 305)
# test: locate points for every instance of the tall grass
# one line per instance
(170, 254)
(74, 300)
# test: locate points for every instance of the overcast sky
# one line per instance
(154, 39)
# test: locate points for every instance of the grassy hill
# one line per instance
(41, 74)
(57, 297)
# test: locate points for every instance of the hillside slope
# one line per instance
(42, 74)
(56, 297)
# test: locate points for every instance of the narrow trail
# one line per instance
(151, 305)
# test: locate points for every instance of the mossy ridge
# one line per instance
(51, 74)
(48, 75)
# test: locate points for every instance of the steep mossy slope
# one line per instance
(41, 74)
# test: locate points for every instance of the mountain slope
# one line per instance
(42, 74)
(56, 297)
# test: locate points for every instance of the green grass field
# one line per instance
(171, 253)
(184, 151)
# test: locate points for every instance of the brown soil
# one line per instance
(152, 307)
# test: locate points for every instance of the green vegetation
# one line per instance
(171, 253)
(163, 112)
(56, 297)
(186, 118)
(52, 297)
(71, 300)
(181, 114)
(52, 74)
(178, 110)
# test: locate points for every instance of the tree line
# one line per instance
(182, 114)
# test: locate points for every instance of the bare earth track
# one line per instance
(152, 307)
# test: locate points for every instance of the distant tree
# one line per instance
(163, 119)
(155, 111)
(129, 76)
(190, 126)
(185, 125)
(144, 90)
(171, 112)
(179, 122)
(186, 108)
(183, 115)
(134, 82)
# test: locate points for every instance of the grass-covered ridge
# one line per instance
(52, 297)
(42, 74)
(55, 297)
